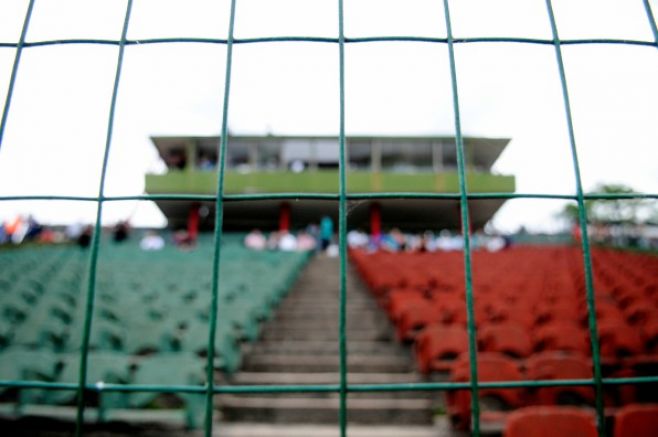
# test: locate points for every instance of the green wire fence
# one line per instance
(343, 388)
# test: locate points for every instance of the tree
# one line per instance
(611, 211)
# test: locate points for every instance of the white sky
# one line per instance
(57, 124)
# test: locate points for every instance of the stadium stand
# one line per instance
(150, 319)
(531, 319)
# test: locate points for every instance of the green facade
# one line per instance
(324, 181)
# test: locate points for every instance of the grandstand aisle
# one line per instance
(300, 346)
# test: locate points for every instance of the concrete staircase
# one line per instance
(300, 346)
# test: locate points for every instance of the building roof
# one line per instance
(483, 152)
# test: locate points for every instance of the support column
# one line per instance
(193, 222)
(437, 157)
(375, 220)
(376, 165)
(284, 217)
(190, 152)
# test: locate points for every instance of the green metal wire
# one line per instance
(582, 219)
(334, 197)
(219, 220)
(342, 228)
(14, 69)
(318, 39)
(343, 387)
(466, 230)
(652, 21)
(325, 388)
(93, 256)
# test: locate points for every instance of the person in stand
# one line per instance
(255, 240)
(305, 242)
(84, 239)
(287, 242)
(121, 230)
(326, 232)
(152, 241)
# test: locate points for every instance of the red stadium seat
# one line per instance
(399, 298)
(637, 421)
(491, 367)
(639, 313)
(550, 422)
(415, 317)
(650, 333)
(618, 340)
(556, 365)
(563, 310)
(508, 338)
(437, 347)
(561, 336)
(452, 308)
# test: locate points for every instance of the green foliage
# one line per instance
(613, 211)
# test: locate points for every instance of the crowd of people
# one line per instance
(394, 240)
(21, 230)
(25, 229)
(315, 237)
(445, 241)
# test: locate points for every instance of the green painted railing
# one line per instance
(340, 189)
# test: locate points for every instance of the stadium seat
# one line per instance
(650, 334)
(561, 336)
(396, 300)
(414, 317)
(194, 339)
(637, 421)
(437, 347)
(550, 421)
(508, 338)
(617, 340)
(557, 365)
(491, 367)
(171, 369)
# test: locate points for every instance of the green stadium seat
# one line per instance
(102, 367)
(172, 369)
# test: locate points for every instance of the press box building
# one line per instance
(309, 164)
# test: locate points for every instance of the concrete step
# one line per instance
(324, 313)
(282, 378)
(333, 307)
(312, 333)
(325, 347)
(327, 324)
(299, 346)
(278, 430)
(326, 363)
(325, 410)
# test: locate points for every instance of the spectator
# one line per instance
(152, 241)
(326, 232)
(273, 240)
(84, 239)
(121, 231)
(33, 229)
(255, 240)
(16, 230)
(357, 239)
(184, 240)
(73, 231)
(205, 163)
(305, 241)
(3, 233)
(287, 242)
